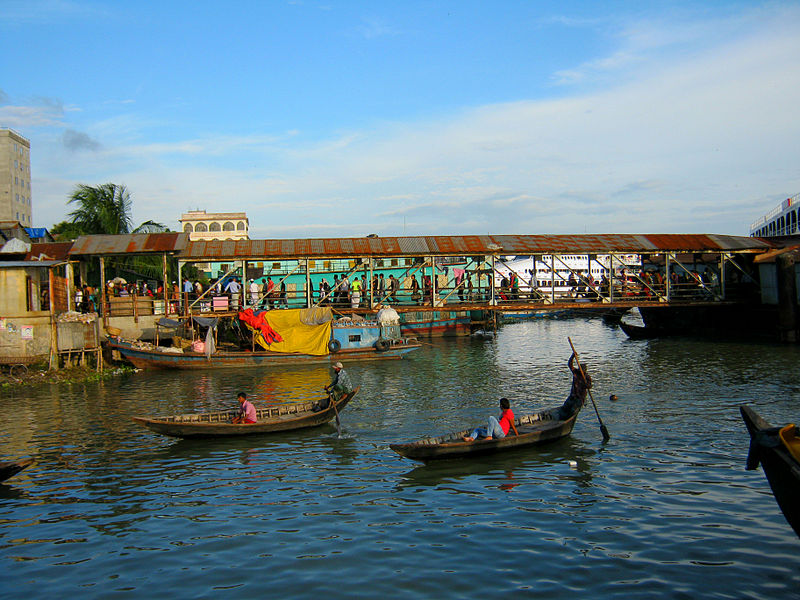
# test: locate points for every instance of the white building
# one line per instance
(203, 226)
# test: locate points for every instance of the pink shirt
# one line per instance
(248, 411)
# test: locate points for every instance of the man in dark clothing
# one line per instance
(581, 383)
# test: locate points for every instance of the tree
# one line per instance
(106, 209)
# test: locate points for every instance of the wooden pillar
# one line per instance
(723, 259)
(53, 325)
(611, 278)
(165, 279)
(433, 282)
(552, 279)
(668, 279)
(787, 297)
(492, 297)
(103, 292)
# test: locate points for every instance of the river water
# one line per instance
(665, 509)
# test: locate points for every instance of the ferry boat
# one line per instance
(563, 275)
(780, 221)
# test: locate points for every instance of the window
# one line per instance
(276, 265)
(187, 228)
(394, 262)
(201, 227)
(214, 227)
(228, 226)
(240, 226)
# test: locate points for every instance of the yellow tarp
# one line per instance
(297, 336)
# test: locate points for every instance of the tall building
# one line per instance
(15, 178)
(203, 226)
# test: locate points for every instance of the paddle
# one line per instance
(603, 429)
(332, 401)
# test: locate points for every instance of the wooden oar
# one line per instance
(332, 400)
(603, 429)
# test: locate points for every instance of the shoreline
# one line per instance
(40, 375)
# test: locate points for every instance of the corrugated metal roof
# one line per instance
(467, 245)
(49, 251)
(135, 243)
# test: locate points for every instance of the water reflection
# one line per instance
(664, 509)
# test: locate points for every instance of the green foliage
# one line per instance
(66, 231)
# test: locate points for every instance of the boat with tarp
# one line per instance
(271, 337)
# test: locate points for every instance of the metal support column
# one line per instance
(668, 278)
(309, 289)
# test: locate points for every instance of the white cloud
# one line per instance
(686, 140)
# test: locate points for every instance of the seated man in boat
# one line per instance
(247, 412)
(496, 428)
(581, 383)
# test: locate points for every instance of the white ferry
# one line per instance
(563, 274)
(782, 220)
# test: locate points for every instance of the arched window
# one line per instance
(793, 219)
(201, 227)
(188, 228)
(214, 227)
(228, 226)
(240, 226)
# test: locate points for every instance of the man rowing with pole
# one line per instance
(581, 384)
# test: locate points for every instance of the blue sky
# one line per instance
(411, 118)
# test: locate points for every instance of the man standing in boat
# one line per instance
(340, 384)
(247, 412)
(581, 384)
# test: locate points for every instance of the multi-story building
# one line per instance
(203, 226)
(15, 178)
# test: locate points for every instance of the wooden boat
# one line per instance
(776, 456)
(638, 332)
(284, 417)
(534, 429)
(9, 469)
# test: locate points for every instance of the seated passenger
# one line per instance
(496, 429)
(247, 412)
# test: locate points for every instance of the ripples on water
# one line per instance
(664, 510)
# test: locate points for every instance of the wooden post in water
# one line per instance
(787, 297)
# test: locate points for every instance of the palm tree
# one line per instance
(102, 209)
(106, 209)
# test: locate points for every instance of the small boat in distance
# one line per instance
(777, 449)
(284, 417)
(9, 469)
(534, 429)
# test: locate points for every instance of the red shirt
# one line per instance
(506, 419)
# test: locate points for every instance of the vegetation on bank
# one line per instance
(39, 375)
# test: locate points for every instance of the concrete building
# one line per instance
(15, 178)
(203, 226)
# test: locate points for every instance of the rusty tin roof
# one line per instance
(467, 245)
(134, 243)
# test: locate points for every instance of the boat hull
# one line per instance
(286, 417)
(535, 429)
(9, 469)
(143, 358)
(436, 324)
(780, 467)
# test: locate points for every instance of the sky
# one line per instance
(343, 118)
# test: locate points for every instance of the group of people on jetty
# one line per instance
(499, 428)
(339, 386)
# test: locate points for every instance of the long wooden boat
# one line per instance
(775, 455)
(537, 428)
(9, 469)
(284, 417)
(147, 356)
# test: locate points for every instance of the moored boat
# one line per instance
(777, 449)
(284, 417)
(279, 337)
(9, 469)
(639, 332)
(533, 429)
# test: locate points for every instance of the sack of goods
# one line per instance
(388, 316)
